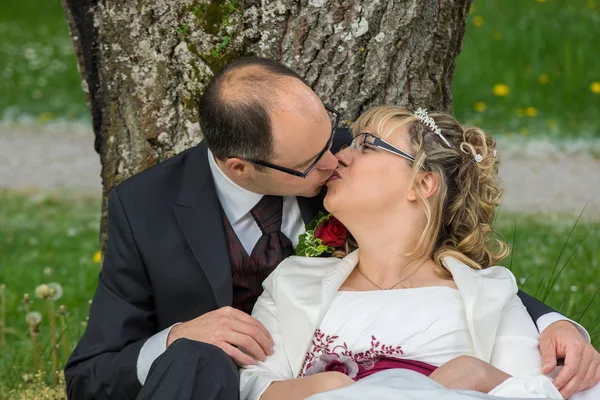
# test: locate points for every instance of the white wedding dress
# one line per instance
(421, 324)
(375, 336)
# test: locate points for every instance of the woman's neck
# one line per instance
(388, 252)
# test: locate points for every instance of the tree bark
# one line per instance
(145, 63)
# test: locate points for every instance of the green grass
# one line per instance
(44, 239)
(518, 41)
(38, 70)
(60, 233)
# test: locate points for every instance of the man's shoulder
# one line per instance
(160, 179)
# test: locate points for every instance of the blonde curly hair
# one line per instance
(461, 212)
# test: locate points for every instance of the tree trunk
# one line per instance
(145, 63)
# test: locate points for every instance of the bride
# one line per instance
(414, 299)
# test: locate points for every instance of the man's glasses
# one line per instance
(368, 140)
(335, 120)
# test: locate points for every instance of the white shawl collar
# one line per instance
(305, 288)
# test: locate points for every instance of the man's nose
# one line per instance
(328, 162)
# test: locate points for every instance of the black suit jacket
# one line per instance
(166, 261)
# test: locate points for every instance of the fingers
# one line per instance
(569, 370)
(548, 350)
(242, 316)
(254, 335)
(247, 343)
(577, 362)
(238, 356)
(590, 375)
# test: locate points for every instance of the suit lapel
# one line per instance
(198, 213)
(310, 206)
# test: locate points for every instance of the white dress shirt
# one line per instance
(237, 203)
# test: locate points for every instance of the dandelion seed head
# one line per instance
(42, 291)
(33, 318)
(56, 290)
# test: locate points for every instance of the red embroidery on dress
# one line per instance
(324, 344)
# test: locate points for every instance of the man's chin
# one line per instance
(315, 191)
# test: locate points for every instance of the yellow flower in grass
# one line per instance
(591, 4)
(478, 21)
(97, 257)
(595, 87)
(46, 117)
(497, 36)
(501, 90)
(531, 112)
(541, 1)
(480, 106)
(472, 10)
(543, 79)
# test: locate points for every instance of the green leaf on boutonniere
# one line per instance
(308, 244)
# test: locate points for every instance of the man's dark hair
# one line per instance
(235, 108)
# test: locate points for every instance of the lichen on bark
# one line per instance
(146, 63)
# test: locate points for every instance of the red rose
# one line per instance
(332, 233)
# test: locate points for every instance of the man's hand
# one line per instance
(582, 362)
(231, 330)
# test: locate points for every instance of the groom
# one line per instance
(192, 238)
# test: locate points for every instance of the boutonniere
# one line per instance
(323, 234)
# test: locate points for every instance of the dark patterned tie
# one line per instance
(273, 246)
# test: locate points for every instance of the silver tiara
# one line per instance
(422, 116)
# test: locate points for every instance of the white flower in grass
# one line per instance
(573, 288)
(522, 281)
(42, 291)
(56, 290)
(47, 271)
(34, 318)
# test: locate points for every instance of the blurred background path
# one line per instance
(538, 176)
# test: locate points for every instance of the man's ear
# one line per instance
(428, 182)
(237, 166)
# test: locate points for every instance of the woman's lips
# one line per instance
(334, 176)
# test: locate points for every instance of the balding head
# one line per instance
(235, 109)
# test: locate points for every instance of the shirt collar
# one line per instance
(235, 200)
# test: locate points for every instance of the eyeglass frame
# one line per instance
(382, 144)
(309, 169)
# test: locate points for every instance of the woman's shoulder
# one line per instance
(300, 267)
(495, 276)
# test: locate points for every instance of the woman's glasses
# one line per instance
(368, 140)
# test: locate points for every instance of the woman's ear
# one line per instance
(428, 182)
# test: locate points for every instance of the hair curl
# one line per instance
(461, 212)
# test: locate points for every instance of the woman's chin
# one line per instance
(329, 201)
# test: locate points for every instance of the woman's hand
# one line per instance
(469, 373)
(300, 388)
(331, 380)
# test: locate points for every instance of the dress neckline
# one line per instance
(399, 290)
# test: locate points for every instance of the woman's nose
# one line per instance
(344, 156)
